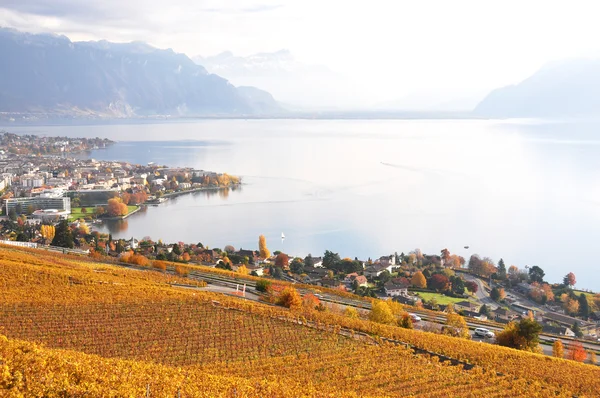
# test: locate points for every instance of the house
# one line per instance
(373, 271)
(467, 306)
(503, 315)
(254, 268)
(317, 262)
(569, 321)
(361, 280)
(409, 300)
(251, 254)
(391, 289)
(560, 330)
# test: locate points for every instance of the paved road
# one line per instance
(481, 294)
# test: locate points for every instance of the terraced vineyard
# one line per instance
(109, 331)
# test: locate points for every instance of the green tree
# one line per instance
(308, 262)
(501, 272)
(458, 285)
(297, 266)
(584, 307)
(536, 274)
(63, 237)
(484, 310)
(330, 259)
(577, 329)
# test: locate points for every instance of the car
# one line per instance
(483, 332)
(415, 317)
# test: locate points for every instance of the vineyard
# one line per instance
(112, 331)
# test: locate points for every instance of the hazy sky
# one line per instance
(401, 47)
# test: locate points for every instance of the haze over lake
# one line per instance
(526, 191)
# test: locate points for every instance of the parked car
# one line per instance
(415, 317)
(483, 332)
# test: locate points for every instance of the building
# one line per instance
(50, 215)
(467, 306)
(20, 205)
(392, 289)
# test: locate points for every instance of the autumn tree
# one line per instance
(471, 286)
(181, 270)
(381, 313)
(310, 301)
(456, 326)
(569, 280)
(243, 270)
(558, 349)
(445, 256)
(438, 282)
(48, 232)
(497, 294)
(185, 257)
(263, 285)
(262, 247)
(576, 352)
(116, 207)
(418, 280)
(229, 249)
(571, 306)
(282, 260)
(160, 265)
(522, 335)
(290, 298)
(351, 312)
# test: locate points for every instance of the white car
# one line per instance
(482, 332)
(415, 317)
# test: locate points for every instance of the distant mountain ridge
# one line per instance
(49, 73)
(569, 88)
(300, 85)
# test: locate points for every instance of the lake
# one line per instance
(526, 191)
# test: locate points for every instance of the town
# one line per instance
(52, 199)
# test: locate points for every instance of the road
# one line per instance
(481, 294)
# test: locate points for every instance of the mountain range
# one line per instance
(50, 73)
(568, 88)
(298, 85)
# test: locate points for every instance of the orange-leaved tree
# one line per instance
(116, 207)
(290, 298)
(262, 247)
(418, 280)
(558, 349)
(577, 352)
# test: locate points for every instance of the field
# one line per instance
(76, 213)
(111, 331)
(440, 298)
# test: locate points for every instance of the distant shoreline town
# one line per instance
(42, 180)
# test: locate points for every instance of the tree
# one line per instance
(116, 207)
(571, 306)
(456, 326)
(290, 298)
(458, 285)
(308, 261)
(438, 282)
(381, 313)
(501, 270)
(472, 286)
(523, 335)
(297, 266)
(577, 329)
(311, 301)
(484, 310)
(384, 277)
(569, 280)
(48, 232)
(497, 294)
(584, 307)
(445, 256)
(418, 280)
(242, 270)
(262, 247)
(330, 259)
(229, 249)
(282, 260)
(63, 236)
(263, 285)
(536, 274)
(576, 352)
(558, 349)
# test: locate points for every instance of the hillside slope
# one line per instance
(123, 332)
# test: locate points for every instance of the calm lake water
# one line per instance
(526, 191)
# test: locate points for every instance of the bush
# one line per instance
(263, 285)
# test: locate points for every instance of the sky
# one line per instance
(398, 48)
